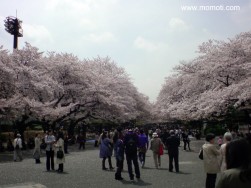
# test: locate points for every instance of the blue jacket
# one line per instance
(120, 150)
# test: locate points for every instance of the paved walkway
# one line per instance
(83, 169)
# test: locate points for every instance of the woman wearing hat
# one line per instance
(155, 145)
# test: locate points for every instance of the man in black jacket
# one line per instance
(131, 142)
(172, 144)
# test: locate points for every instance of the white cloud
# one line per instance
(87, 23)
(70, 4)
(37, 33)
(52, 4)
(100, 38)
(142, 43)
(80, 5)
(177, 24)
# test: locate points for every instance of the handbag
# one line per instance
(201, 154)
(36, 155)
(161, 149)
(60, 153)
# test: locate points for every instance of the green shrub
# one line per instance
(216, 129)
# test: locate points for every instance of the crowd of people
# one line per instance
(54, 146)
(132, 144)
(229, 155)
(232, 160)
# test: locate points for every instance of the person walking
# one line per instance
(81, 140)
(155, 146)
(50, 141)
(131, 143)
(186, 140)
(17, 148)
(105, 151)
(142, 147)
(36, 153)
(226, 138)
(60, 152)
(210, 160)
(172, 144)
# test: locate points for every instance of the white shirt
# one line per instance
(49, 140)
(18, 141)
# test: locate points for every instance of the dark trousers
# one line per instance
(210, 181)
(96, 143)
(65, 147)
(81, 144)
(50, 160)
(186, 143)
(109, 161)
(118, 163)
(60, 167)
(133, 158)
(119, 168)
(174, 157)
(142, 157)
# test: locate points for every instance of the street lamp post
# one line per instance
(13, 26)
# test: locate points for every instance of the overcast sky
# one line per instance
(146, 37)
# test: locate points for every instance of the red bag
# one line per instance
(161, 149)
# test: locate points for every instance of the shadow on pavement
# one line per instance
(138, 182)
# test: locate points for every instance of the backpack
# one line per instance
(60, 154)
(131, 145)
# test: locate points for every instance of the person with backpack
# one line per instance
(60, 152)
(17, 148)
(131, 142)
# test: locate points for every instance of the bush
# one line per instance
(216, 129)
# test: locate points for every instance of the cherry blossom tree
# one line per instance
(59, 87)
(208, 85)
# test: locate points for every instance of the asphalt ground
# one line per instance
(83, 169)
